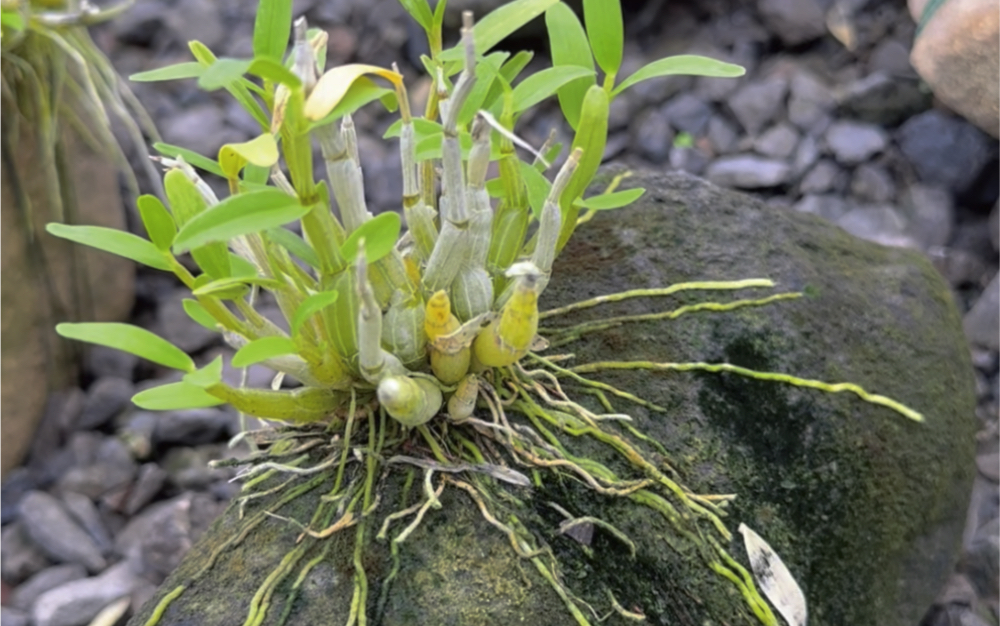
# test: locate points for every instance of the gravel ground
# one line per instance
(113, 496)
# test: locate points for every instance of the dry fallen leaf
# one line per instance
(774, 579)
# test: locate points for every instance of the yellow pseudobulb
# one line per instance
(410, 401)
(449, 367)
(508, 338)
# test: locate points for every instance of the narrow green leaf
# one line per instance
(262, 349)
(687, 64)
(218, 287)
(223, 73)
(272, 29)
(568, 45)
(206, 376)
(545, 83)
(508, 72)
(177, 71)
(190, 156)
(261, 151)
(419, 11)
(486, 72)
(311, 306)
(159, 223)
(239, 88)
(498, 25)
(380, 234)
(114, 241)
(606, 33)
(241, 267)
(198, 313)
(607, 201)
(273, 71)
(175, 397)
(538, 187)
(239, 215)
(295, 245)
(421, 128)
(186, 201)
(439, 13)
(131, 339)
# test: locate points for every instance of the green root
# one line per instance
(529, 438)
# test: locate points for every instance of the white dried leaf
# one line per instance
(774, 578)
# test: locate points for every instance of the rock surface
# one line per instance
(957, 52)
(865, 507)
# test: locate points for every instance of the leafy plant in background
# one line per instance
(53, 75)
(396, 339)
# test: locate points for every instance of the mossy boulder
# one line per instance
(864, 506)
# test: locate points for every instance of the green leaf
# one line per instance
(186, 202)
(256, 174)
(239, 215)
(272, 28)
(607, 201)
(262, 349)
(439, 13)
(225, 285)
(606, 32)
(114, 241)
(545, 83)
(486, 72)
(206, 376)
(538, 187)
(174, 397)
(198, 313)
(239, 88)
(362, 91)
(261, 151)
(421, 128)
(568, 45)
(11, 18)
(223, 73)
(498, 25)
(380, 234)
(241, 267)
(159, 223)
(419, 11)
(189, 69)
(295, 245)
(273, 71)
(190, 156)
(131, 339)
(311, 306)
(687, 64)
(508, 72)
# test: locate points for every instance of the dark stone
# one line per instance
(864, 506)
(945, 150)
(105, 398)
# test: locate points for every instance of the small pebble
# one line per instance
(778, 142)
(57, 534)
(855, 142)
(756, 103)
(83, 510)
(747, 172)
(77, 602)
(823, 177)
(49, 578)
(20, 558)
(105, 398)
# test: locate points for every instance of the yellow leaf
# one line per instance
(333, 85)
(261, 151)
